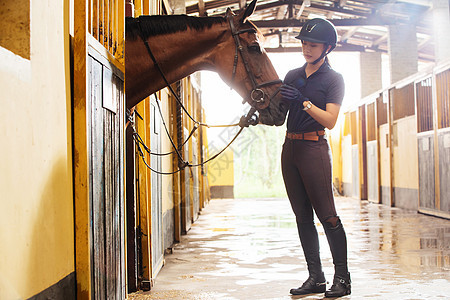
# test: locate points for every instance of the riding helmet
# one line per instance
(319, 31)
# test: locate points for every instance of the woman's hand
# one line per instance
(290, 93)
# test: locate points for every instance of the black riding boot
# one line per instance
(338, 246)
(316, 282)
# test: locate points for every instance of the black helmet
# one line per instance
(319, 31)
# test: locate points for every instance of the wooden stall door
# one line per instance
(443, 140)
(355, 156)
(372, 155)
(106, 181)
(425, 144)
(362, 141)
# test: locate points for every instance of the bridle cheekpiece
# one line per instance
(257, 95)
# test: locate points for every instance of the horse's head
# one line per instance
(249, 70)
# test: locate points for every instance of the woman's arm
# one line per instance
(326, 117)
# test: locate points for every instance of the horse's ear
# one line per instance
(229, 12)
(248, 11)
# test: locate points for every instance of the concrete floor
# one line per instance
(249, 249)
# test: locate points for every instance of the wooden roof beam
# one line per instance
(305, 3)
(380, 40)
(341, 10)
(349, 33)
(337, 22)
(342, 3)
(201, 8)
(281, 13)
(242, 4)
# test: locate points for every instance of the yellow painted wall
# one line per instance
(221, 169)
(405, 154)
(347, 159)
(36, 195)
(335, 141)
(166, 163)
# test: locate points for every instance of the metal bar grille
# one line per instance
(443, 98)
(106, 24)
(371, 129)
(403, 101)
(424, 105)
(381, 111)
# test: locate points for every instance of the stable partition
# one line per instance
(346, 157)
(443, 139)
(404, 148)
(355, 165)
(425, 143)
(433, 137)
(98, 129)
(384, 160)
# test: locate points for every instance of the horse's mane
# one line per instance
(164, 24)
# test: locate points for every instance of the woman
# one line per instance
(315, 94)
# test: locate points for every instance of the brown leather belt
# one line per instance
(307, 136)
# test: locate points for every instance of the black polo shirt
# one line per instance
(322, 87)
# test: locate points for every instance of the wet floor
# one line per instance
(249, 249)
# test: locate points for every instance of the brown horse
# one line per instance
(182, 45)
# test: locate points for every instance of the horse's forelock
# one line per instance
(157, 25)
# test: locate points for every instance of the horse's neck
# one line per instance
(178, 55)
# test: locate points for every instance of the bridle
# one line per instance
(257, 94)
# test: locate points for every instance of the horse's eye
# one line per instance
(255, 48)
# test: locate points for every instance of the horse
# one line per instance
(160, 50)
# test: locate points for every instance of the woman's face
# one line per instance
(312, 51)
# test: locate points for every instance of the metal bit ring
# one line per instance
(257, 95)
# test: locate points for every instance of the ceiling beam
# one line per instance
(349, 33)
(343, 48)
(281, 13)
(191, 9)
(224, 3)
(342, 3)
(340, 10)
(242, 4)
(306, 3)
(201, 8)
(337, 22)
(380, 40)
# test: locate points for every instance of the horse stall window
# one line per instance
(403, 101)
(371, 132)
(354, 128)
(15, 24)
(443, 98)
(106, 23)
(381, 111)
(424, 105)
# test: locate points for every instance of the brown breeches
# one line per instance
(306, 167)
